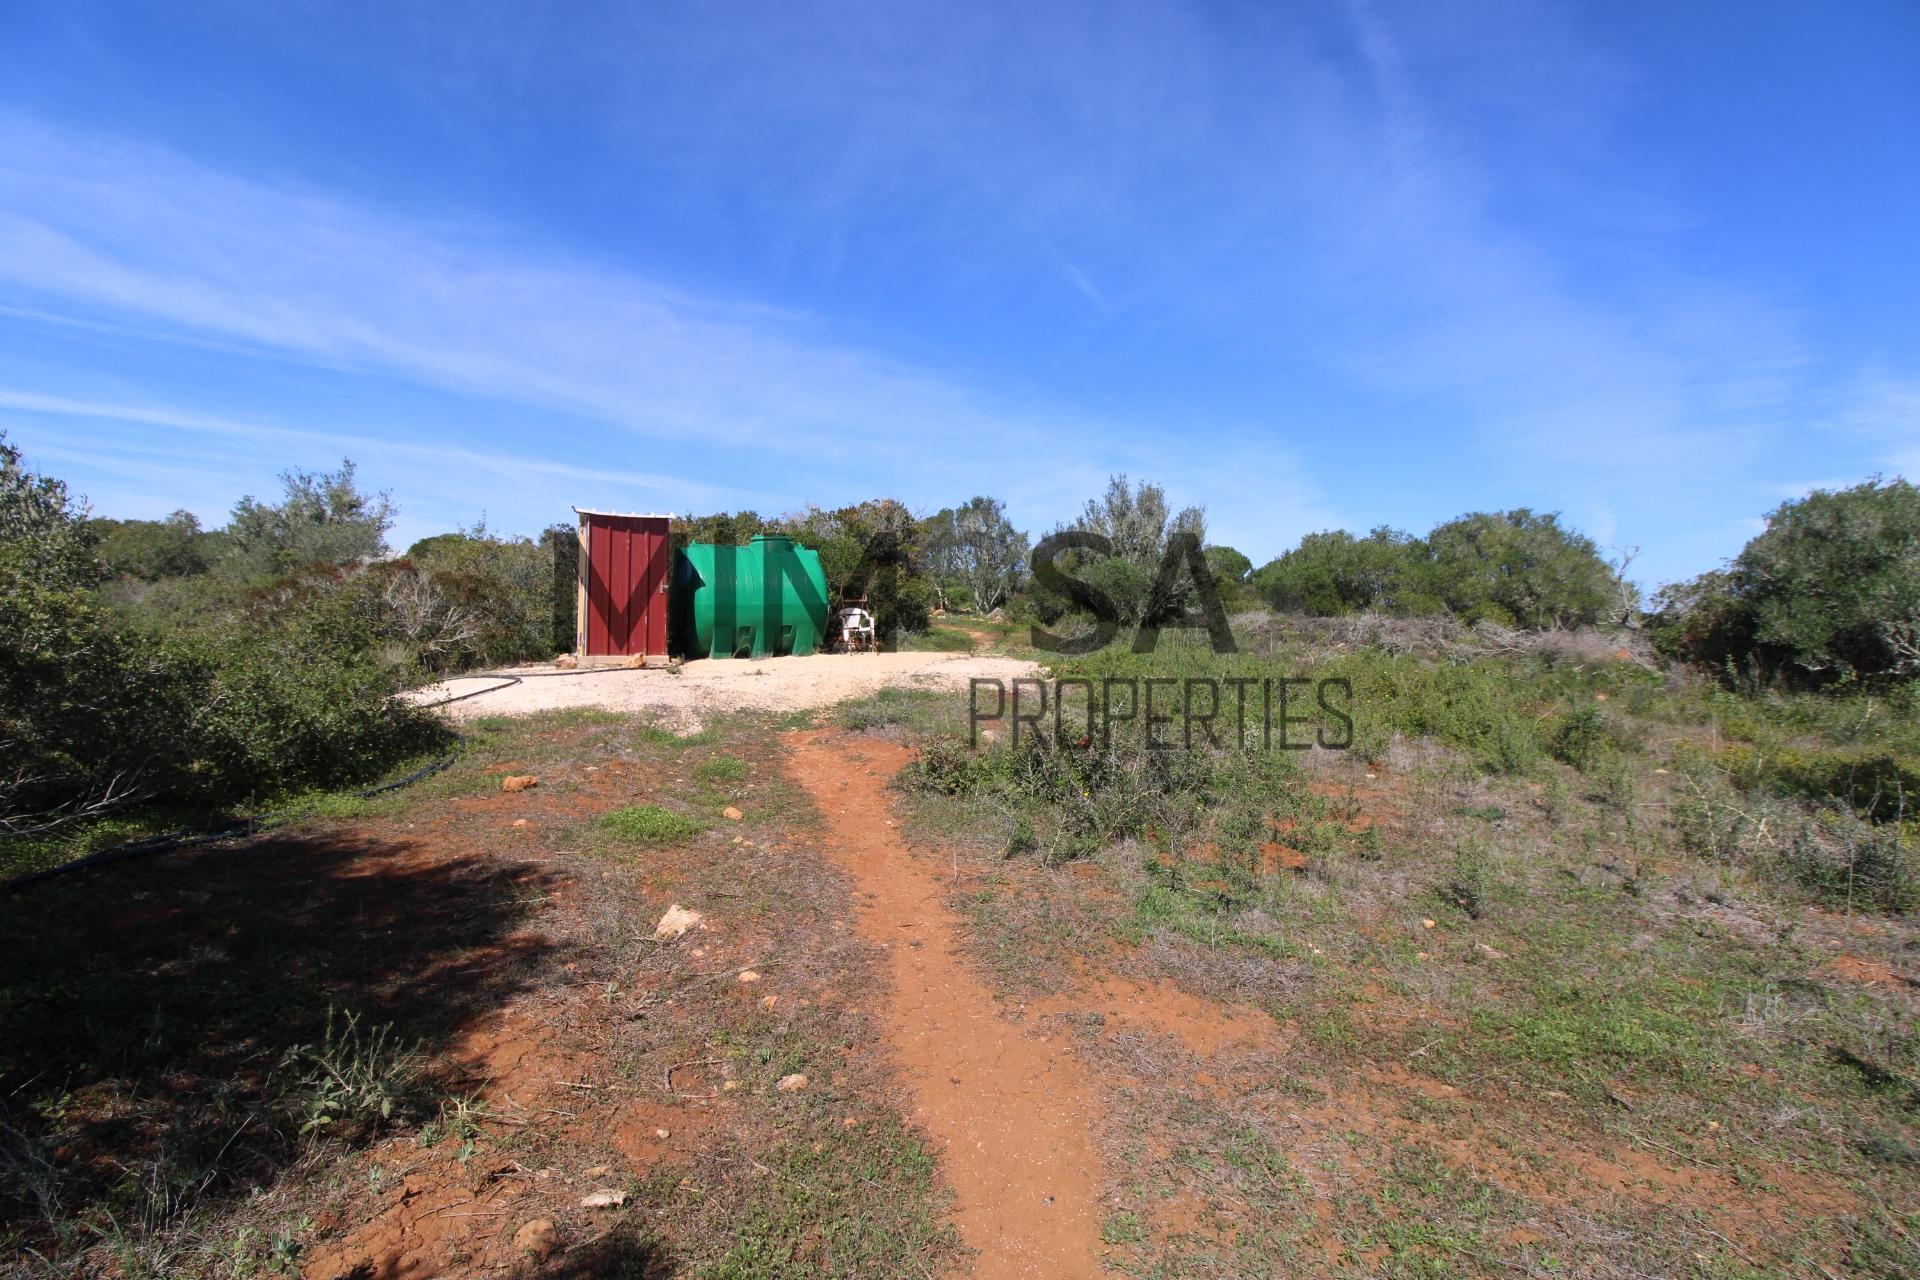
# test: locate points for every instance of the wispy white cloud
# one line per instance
(1421, 211)
(507, 466)
(1883, 410)
(143, 243)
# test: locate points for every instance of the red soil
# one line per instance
(1010, 1111)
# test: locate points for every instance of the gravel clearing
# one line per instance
(684, 700)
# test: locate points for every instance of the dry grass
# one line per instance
(1516, 1023)
(505, 944)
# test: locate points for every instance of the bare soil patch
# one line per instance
(594, 1102)
(695, 693)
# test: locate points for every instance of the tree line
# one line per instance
(149, 662)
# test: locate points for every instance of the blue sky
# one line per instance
(1308, 265)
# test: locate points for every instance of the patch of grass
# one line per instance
(886, 707)
(939, 639)
(649, 824)
(721, 770)
(337, 806)
(858, 1201)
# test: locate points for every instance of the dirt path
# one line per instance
(1010, 1110)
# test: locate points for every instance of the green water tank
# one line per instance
(768, 597)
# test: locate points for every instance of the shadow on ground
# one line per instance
(164, 1026)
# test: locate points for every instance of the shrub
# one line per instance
(471, 598)
(1516, 568)
(1829, 593)
(206, 694)
(1580, 736)
(1838, 855)
(1334, 573)
(1520, 569)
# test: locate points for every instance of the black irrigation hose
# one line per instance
(514, 679)
(169, 841)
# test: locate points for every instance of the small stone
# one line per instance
(767, 1002)
(1426, 924)
(662, 1134)
(519, 822)
(792, 1084)
(537, 1239)
(1491, 953)
(728, 1086)
(732, 814)
(598, 1171)
(604, 1200)
(519, 782)
(748, 975)
(675, 922)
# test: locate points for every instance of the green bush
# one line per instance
(1870, 782)
(1516, 568)
(1580, 737)
(205, 695)
(1829, 593)
(1071, 802)
(1521, 569)
(1335, 573)
(474, 599)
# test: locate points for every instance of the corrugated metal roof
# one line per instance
(624, 515)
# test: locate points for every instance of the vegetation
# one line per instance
(1516, 568)
(191, 695)
(236, 1070)
(974, 554)
(1828, 594)
(1559, 911)
(1141, 569)
(1548, 956)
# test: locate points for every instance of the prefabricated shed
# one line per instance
(623, 584)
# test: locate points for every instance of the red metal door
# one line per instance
(623, 561)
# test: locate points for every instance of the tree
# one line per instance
(871, 551)
(976, 546)
(473, 596)
(1519, 568)
(1228, 564)
(721, 529)
(321, 519)
(1135, 520)
(1830, 592)
(43, 534)
(150, 550)
(1333, 573)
